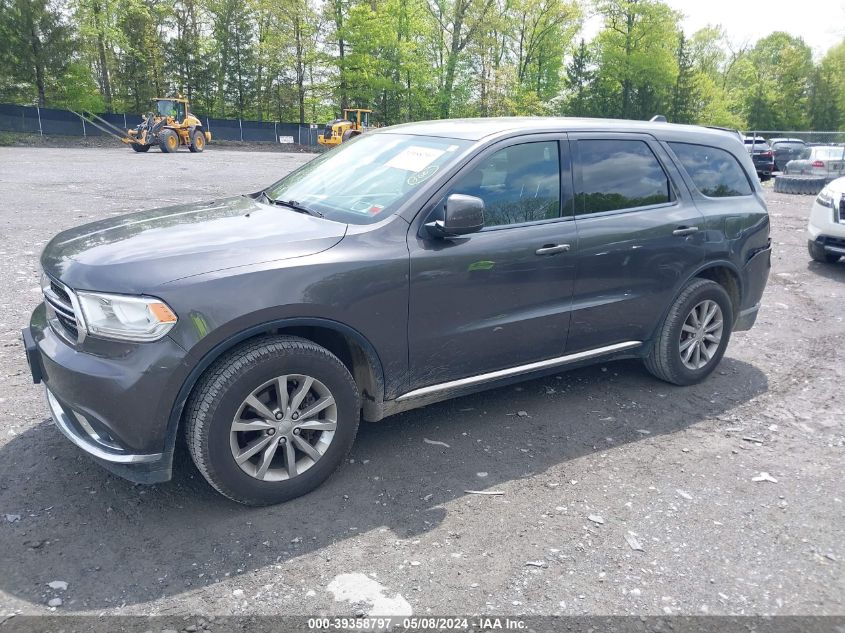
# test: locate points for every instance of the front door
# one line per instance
(501, 297)
(639, 237)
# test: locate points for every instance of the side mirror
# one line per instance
(461, 215)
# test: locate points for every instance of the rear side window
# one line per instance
(714, 171)
(619, 174)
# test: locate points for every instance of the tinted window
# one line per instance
(788, 145)
(619, 175)
(715, 172)
(520, 183)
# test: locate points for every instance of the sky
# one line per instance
(821, 23)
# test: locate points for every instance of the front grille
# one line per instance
(838, 242)
(60, 307)
(842, 210)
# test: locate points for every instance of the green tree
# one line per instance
(36, 47)
(636, 55)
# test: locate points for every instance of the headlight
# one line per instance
(825, 199)
(124, 317)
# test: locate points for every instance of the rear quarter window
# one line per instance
(715, 172)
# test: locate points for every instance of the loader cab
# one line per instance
(175, 108)
(359, 117)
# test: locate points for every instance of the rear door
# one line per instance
(501, 297)
(639, 236)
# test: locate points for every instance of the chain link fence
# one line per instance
(51, 121)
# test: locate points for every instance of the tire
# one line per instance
(168, 141)
(665, 357)
(801, 185)
(349, 134)
(219, 401)
(140, 148)
(818, 253)
(197, 142)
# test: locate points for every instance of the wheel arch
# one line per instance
(723, 272)
(726, 275)
(345, 342)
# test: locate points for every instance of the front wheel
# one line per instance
(818, 253)
(168, 141)
(140, 148)
(693, 337)
(272, 420)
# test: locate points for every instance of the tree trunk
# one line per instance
(105, 76)
(38, 60)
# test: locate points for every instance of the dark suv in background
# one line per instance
(785, 150)
(410, 265)
(762, 155)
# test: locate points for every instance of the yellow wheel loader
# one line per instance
(353, 123)
(169, 125)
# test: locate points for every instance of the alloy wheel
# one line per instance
(701, 334)
(283, 427)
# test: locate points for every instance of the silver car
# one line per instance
(820, 160)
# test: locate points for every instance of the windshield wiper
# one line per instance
(292, 204)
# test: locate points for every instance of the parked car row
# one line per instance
(795, 157)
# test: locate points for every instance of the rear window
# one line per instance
(757, 143)
(828, 153)
(788, 145)
(714, 171)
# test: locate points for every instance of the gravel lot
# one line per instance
(592, 463)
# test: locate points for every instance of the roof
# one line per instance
(483, 128)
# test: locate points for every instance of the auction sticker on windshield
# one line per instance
(414, 158)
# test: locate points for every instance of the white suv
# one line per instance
(827, 223)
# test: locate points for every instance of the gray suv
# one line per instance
(413, 264)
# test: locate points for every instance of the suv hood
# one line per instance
(137, 252)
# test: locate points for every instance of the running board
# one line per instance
(516, 371)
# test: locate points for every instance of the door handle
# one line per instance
(685, 230)
(551, 249)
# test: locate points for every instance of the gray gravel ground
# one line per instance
(591, 463)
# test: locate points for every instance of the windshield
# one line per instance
(166, 108)
(366, 179)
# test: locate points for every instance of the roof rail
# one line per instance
(725, 129)
(658, 118)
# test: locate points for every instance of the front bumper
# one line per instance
(112, 400)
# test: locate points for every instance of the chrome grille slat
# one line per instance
(65, 321)
(62, 309)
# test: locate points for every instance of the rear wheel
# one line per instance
(350, 134)
(693, 337)
(140, 148)
(818, 253)
(197, 141)
(272, 420)
(168, 140)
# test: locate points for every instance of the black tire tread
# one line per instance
(658, 361)
(199, 409)
(799, 184)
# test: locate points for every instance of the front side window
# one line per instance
(715, 172)
(619, 174)
(367, 178)
(518, 184)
